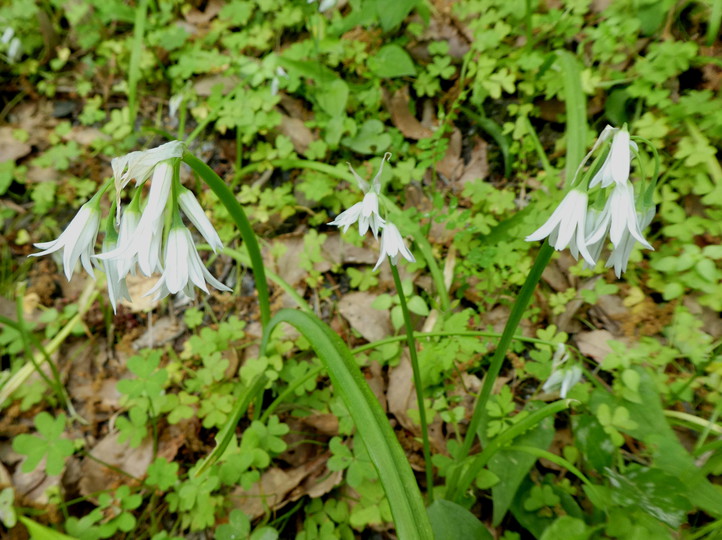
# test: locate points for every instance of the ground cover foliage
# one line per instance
(108, 419)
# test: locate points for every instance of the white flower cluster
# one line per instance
(11, 45)
(137, 243)
(563, 377)
(366, 213)
(624, 216)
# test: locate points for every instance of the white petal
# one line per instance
(376, 182)
(555, 220)
(392, 243)
(193, 210)
(362, 184)
(159, 191)
(213, 281)
(619, 157)
(348, 217)
(370, 204)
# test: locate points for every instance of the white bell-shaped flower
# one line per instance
(194, 212)
(619, 258)
(143, 245)
(620, 218)
(139, 165)
(366, 213)
(77, 240)
(618, 163)
(183, 267)
(567, 226)
(114, 277)
(393, 245)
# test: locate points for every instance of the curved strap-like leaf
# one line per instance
(244, 226)
(402, 491)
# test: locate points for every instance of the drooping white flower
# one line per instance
(114, 276)
(194, 212)
(77, 240)
(128, 225)
(324, 5)
(618, 162)
(594, 216)
(393, 245)
(139, 165)
(348, 217)
(619, 217)
(567, 226)
(183, 267)
(174, 104)
(370, 215)
(143, 245)
(276, 80)
(13, 44)
(563, 380)
(619, 258)
(366, 213)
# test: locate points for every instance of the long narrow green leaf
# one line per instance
(517, 312)
(504, 438)
(135, 54)
(402, 492)
(576, 106)
(411, 342)
(651, 427)
(244, 226)
(224, 436)
(41, 532)
(715, 21)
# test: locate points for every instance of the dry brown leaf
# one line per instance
(401, 394)
(325, 423)
(5, 479)
(562, 438)
(401, 398)
(594, 344)
(318, 486)
(85, 136)
(398, 106)
(477, 169)
(497, 318)
(299, 448)
(452, 164)
(287, 266)
(34, 485)
(375, 380)
(36, 119)
(138, 287)
(600, 6)
(104, 396)
(162, 331)
(201, 18)
(134, 461)
(711, 321)
(10, 148)
(278, 487)
(566, 321)
(444, 26)
(555, 277)
(39, 175)
(337, 251)
(204, 85)
(372, 324)
(296, 130)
